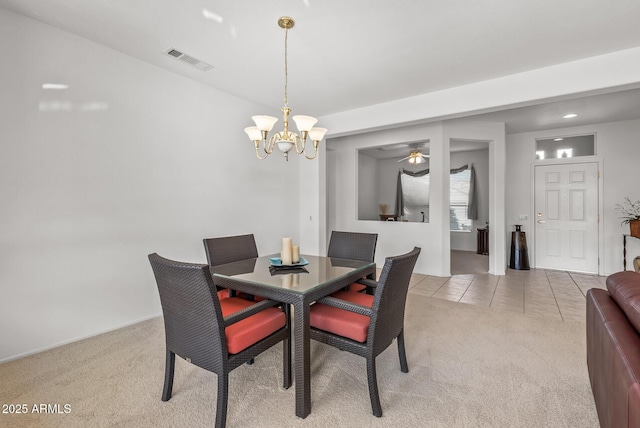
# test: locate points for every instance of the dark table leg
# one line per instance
(302, 360)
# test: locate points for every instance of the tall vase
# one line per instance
(634, 228)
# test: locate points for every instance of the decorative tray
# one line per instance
(277, 262)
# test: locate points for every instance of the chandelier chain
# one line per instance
(286, 68)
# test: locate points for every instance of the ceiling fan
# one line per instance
(416, 156)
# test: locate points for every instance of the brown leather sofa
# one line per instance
(613, 349)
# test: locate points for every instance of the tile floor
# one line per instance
(538, 293)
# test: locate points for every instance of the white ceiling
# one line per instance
(608, 107)
(349, 54)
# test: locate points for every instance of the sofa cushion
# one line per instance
(624, 288)
(634, 405)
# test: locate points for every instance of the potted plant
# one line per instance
(631, 215)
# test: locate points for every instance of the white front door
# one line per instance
(566, 217)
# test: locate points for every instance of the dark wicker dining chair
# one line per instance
(364, 324)
(353, 246)
(229, 249)
(215, 335)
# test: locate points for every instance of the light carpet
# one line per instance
(468, 367)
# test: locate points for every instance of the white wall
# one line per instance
(393, 238)
(494, 134)
(433, 237)
(377, 182)
(312, 208)
(595, 74)
(368, 188)
(388, 181)
(618, 147)
(131, 159)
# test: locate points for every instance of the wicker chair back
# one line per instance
(230, 249)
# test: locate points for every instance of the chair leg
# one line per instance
(373, 386)
(286, 363)
(223, 395)
(404, 367)
(169, 368)
(250, 362)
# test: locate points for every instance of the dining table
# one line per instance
(315, 277)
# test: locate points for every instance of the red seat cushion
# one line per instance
(357, 287)
(224, 293)
(250, 330)
(342, 322)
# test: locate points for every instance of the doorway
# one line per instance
(566, 216)
(463, 231)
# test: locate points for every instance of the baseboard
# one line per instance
(77, 339)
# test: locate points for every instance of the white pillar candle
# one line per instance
(286, 281)
(295, 254)
(286, 251)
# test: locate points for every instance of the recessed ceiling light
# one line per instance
(54, 86)
(558, 139)
(570, 115)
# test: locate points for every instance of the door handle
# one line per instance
(541, 222)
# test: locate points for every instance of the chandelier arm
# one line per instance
(261, 157)
(272, 142)
(268, 149)
(315, 150)
(302, 143)
(257, 146)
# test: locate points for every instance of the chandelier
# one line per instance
(285, 139)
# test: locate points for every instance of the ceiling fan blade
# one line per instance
(403, 159)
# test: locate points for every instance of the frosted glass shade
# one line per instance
(254, 133)
(317, 134)
(264, 123)
(285, 146)
(304, 123)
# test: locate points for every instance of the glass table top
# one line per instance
(318, 272)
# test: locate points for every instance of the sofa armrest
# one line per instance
(613, 360)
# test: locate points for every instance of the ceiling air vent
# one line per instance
(194, 62)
